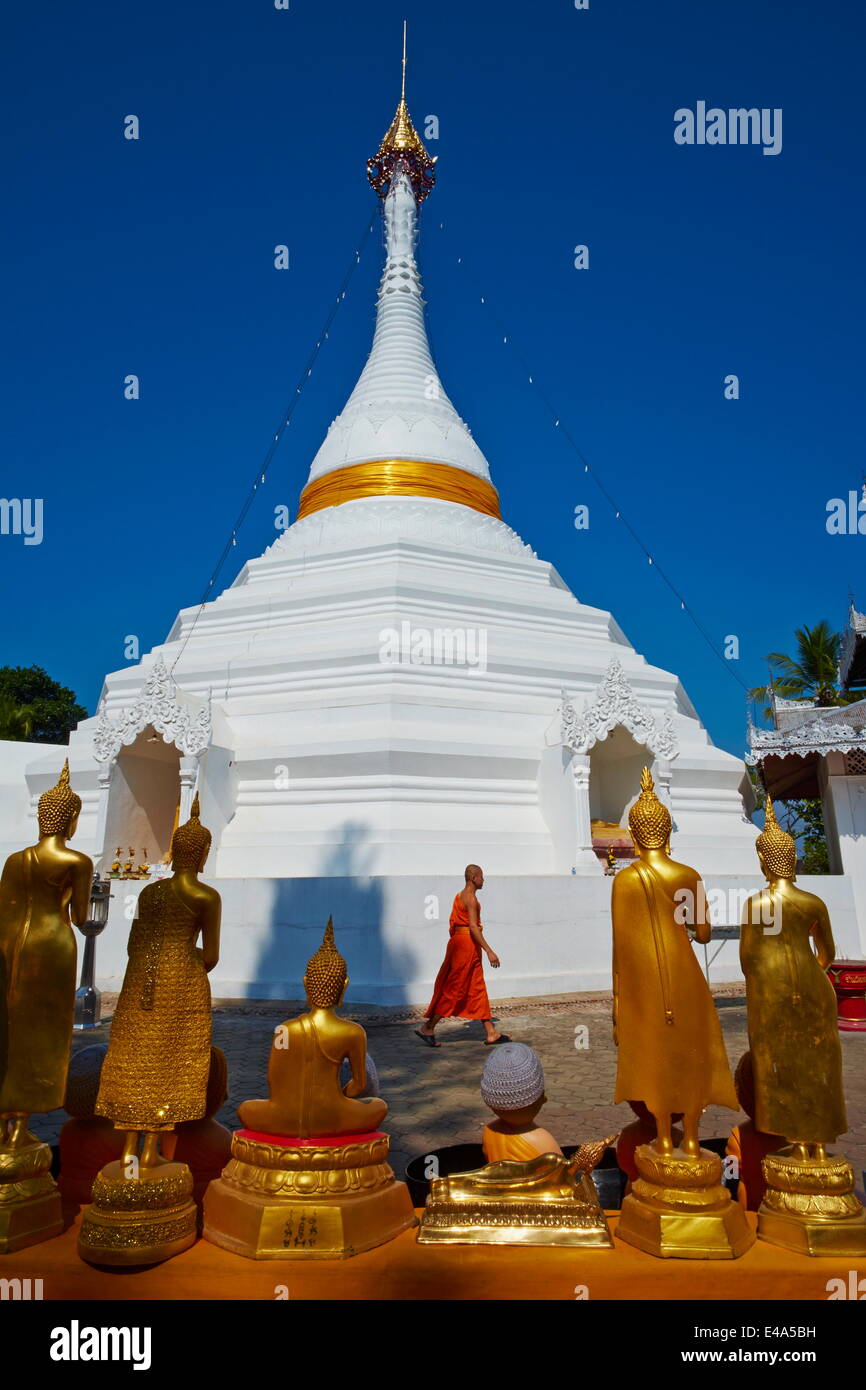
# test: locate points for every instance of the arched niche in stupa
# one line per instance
(615, 765)
(144, 799)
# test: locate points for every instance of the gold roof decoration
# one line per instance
(58, 805)
(649, 819)
(402, 147)
(777, 848)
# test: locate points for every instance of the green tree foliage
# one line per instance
(812, 673)
(16, 721)
(804, 819)
(35, 707)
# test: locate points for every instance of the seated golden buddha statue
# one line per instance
(308, 1177)
(306, 1097)
(786, 945)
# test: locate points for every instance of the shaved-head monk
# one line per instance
(459, 991)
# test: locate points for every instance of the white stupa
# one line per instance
(399, 685)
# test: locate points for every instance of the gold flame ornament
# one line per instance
(402, 147)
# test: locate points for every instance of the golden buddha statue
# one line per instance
(786, 945)
(543, 1200)
(156, 1072)
(671, 1054)
(304, 1067)
(43, 890)
(308, 1177)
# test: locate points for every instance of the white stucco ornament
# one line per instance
(614, 704)
(378, 520)
(182, 719)
(839, 729)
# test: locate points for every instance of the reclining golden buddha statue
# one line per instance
(535, 1196)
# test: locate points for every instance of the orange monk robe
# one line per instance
(498, 1146)
(460, 991)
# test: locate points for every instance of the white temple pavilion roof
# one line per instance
(837, 729)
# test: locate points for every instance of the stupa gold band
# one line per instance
(400, 478)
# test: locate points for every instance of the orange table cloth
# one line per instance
(402, 1269)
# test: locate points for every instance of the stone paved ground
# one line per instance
(433, 1095)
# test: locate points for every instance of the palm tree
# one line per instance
(16, 721)
(811, 674)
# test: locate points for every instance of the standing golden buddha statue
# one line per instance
(671, 1054)
(809, 1203)
(308, 1177)
(43, 890)
(156, 1072)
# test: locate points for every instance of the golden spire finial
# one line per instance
(195, 809)
(402, 147)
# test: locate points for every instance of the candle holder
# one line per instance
(88, 998)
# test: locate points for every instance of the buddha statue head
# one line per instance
(59, 808)
(326, 977)
(512, 1083)
(777, 851)
(190, 843)
(649, 820)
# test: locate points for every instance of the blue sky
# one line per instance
(155, 257)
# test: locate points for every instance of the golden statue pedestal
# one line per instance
(306, 1199)
(139, 1221)
(30, 1209)
(809, 1205)
(543, 1201)
(678, 1208)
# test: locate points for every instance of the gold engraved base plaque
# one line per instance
(30, 1209)
(678, 1208)
(809, 1205)
(318, 1200)
(139, 1221)
(543, 1201)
